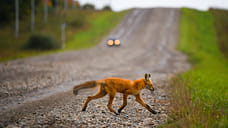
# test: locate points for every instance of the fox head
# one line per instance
(148, 82)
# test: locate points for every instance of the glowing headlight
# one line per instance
(110, 42)
(117, 42)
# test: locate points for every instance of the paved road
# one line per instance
(37, 91)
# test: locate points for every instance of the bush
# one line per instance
(77, 21)
(42, 42)
(7, 10)
(88, 7)
(107, 8)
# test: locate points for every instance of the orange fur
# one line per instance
(112, 85)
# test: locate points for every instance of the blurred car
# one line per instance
(113, 42)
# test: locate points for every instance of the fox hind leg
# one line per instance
(100, 94)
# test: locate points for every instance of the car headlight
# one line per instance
(110, 42)
(117, 42)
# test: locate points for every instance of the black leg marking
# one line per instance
(84, 109)
(116, 113)
(151, 110)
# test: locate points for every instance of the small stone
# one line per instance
(163, 108)
(148, 121)
(113, 124)
(164, 116)
(140, 124)
(12, 126)
(98, 106)
(163, 95)
(75, 117)
(103, 126)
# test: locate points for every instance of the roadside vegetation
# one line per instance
(200, 96)
(84, 29)
(221, 25)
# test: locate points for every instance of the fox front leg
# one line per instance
(124, 103)
(111, 98)
(140, 101)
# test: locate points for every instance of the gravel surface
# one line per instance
(37, 91)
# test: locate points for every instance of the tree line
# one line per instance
(7, 9)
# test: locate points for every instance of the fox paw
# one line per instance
(116, 113)
(154, 112)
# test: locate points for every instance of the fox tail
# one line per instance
(88, 84)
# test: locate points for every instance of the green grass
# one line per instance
(99, 28)
(221, 25)
(200, 96)
(84, 30)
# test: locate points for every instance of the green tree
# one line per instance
(7, 9)
(88, 7)
(107, 7)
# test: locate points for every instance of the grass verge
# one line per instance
(99, 27)
(200, 95)
(221, 25)
(84, 29)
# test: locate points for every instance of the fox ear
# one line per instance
(149, 75)
(146, 76)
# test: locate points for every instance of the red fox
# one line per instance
(112, 85)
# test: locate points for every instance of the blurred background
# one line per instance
(34, 27)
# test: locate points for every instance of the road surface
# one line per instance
(37, 91)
